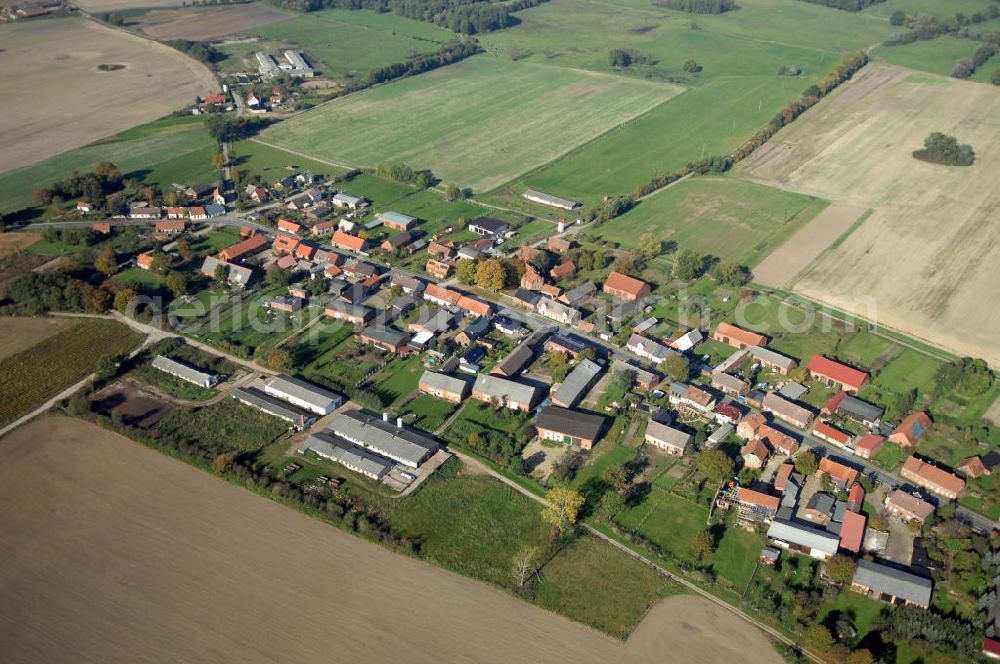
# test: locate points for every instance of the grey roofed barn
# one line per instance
(577, 295)
(409, 447)
(303, 393)
(770, 357)
(386, 335)
(887, 580)
(262, 401)
(346, 453)
(183, 371)
(860, 410)
(548, 199)
(444, 382)
(236, 275)
(517, 360)
(803, 535)
(570, 422)
(504, 389)
(668, 434)
(577, 383)
(488, 226)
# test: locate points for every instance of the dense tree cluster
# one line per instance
(232, 127)
(943, 149)
(196, 50)
(698, 6)
(92, 187)
(467, 17)
(966, 67)
(422, 62)
(846, 5)
(625, 57)
(966, 375)
(400, 172)
(929, 27)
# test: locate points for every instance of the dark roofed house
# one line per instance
(386, 338)
(488, 226)
(572, 427)
(516, 361)
(577, 384)
(473, 330)
(507, 393)
(892, 585)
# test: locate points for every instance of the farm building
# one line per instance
(687, 341)
(475, 329)
(571, 427)
(625, 287)
(386, 338)
(648, 349)
(303, 394)
(288, 226)
(286, 303)
(854, 409)
(932, 478)
(833, 435)
(170, 226)
(852, 532)
(488, 226)
(754, 454)
(144, 261)
(516, 361)
(443, 386)
(235, 275)
(835, 374)
(842, 476)
(730, 384)
(908, 507)
(355, 314)
(640, 378)
(892, 585)
(557, 311)
(563, 270)
(577, 384)
(548, 199)
(737, 337)
(264, 402)
(754, 506)
(344, 200)
(342, 240)
(377, 434)
(347, 454)
(577, 296)
(664, 437)
(244, 248)
(184, 372)
(869, 445)
(397, 221)
(786, 410)
(803, 539)
(769, 359)
(911, 429)
(507, 393)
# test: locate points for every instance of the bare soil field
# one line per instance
(135, 408)
(798, 251)
(57, 99)
(115, 553)
(924, 261)
(96, 6)
(17, 334)
(200, 23)
(11, 242)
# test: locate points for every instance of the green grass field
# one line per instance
(594, 584)
(228, 424)
(398, 380)
(736, 556)
(937, 56)
(731, 219)
(429, 411)
(480, 122)
(271, 164)
(347, 44)
(668, 521)
(162, 152)
(34, 375)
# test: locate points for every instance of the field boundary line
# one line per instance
(303, 155)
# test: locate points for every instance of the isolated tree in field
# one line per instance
(617, 478)
(612, 504)
(453, 192)
(688, 265)
(278, 358)
(123, 298)
(818, 638)
(702, 546)
(691, 67)
(523, 566)
(185, 251)
(650, 246)
(220, 273)
(897, 18)
(562, 508)
(177, 283)
(108, 172)
(840, 569)
(219, 160)
(676, 366)
(716, 464)
(41, 196)
(106, 263)
(943, 149)
(491, 275)
(466, 270)
(729, 273)
(806, 463)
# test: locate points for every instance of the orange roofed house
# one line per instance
(835, 374)
(243, 248)
(911, 429)
(932, 478)
(289, 226)
(170, 226)
(625, 287)
(842, 476)
(285, 243)
(347, 241)
(738, 337)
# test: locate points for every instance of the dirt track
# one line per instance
(115, 553)
(54, 97)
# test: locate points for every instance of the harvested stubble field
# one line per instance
(200, 23)
(17, 334)
(480, 122)
(39, 372)
(925, 258)
(115, 550)
(55, 98)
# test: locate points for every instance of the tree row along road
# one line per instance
(483, 468)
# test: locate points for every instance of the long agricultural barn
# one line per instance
(267, 64)
(303, 394)
(264, 402)
(379, 435)
(551, 201)
(184, 372)
(347, 454)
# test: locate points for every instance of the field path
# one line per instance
(115, 553)
(338, 164)
(778, 270)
